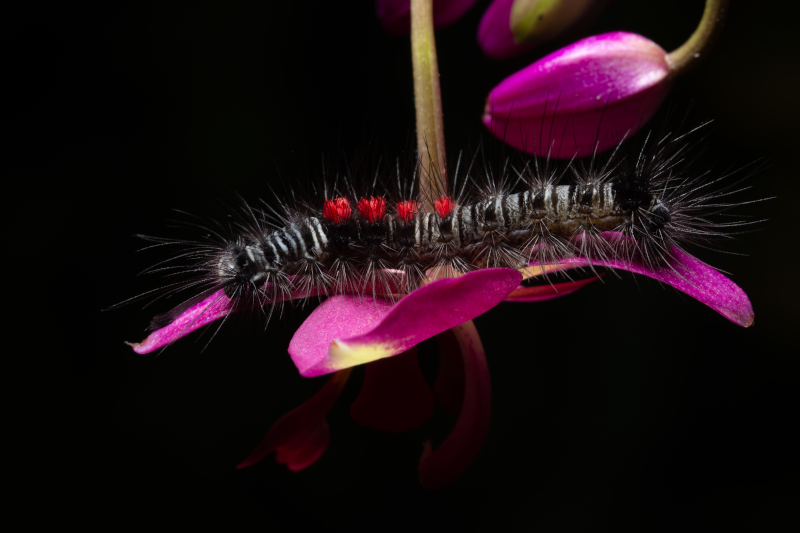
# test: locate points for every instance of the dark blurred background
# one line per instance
(624, 407)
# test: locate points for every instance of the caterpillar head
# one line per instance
(634, 193)
(238, 268)
(658, 215)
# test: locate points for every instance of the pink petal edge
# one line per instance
(689, 275)
(216, 306)
(349, 330)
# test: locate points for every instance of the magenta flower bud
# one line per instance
(494, 32)
(594, 91)
(511, 27)
(395, 15)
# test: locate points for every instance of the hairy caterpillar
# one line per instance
(645, 204)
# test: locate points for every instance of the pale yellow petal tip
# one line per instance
(140, 347)
(541, 270)
(342, 355)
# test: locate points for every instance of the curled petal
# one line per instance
(208, 310)
(687, 274)
(204, 312)
(394, 396)
(444, 465)
(348, 330)
(614, 81)
(547, 292)
(300, 436)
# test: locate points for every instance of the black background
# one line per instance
(626, 406)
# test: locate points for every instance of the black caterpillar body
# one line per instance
(356, 244)
(496, 232)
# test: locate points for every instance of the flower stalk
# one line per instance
(428, 103)
(690, 53)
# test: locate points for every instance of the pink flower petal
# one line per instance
(558, 101)
(337, 317)
(395, 15)
(394, 396)
(494, 32)
(348, 330)
(444, 465)
(300, 436)
(218, 305)
(689, 275)
(547, 292)
(308, 452)
(449, 384)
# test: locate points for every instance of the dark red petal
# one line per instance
(444, 465)
(309, 451)
(449, 385)
(395, 396)
(298, 430)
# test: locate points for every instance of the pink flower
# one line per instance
(349, 330)
(395, 15)
(615, 81)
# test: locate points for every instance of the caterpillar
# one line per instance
(648, 199)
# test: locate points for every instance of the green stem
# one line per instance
(428, 103)
(690, 53)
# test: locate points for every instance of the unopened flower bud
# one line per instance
(511, 27)
(586, 96)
